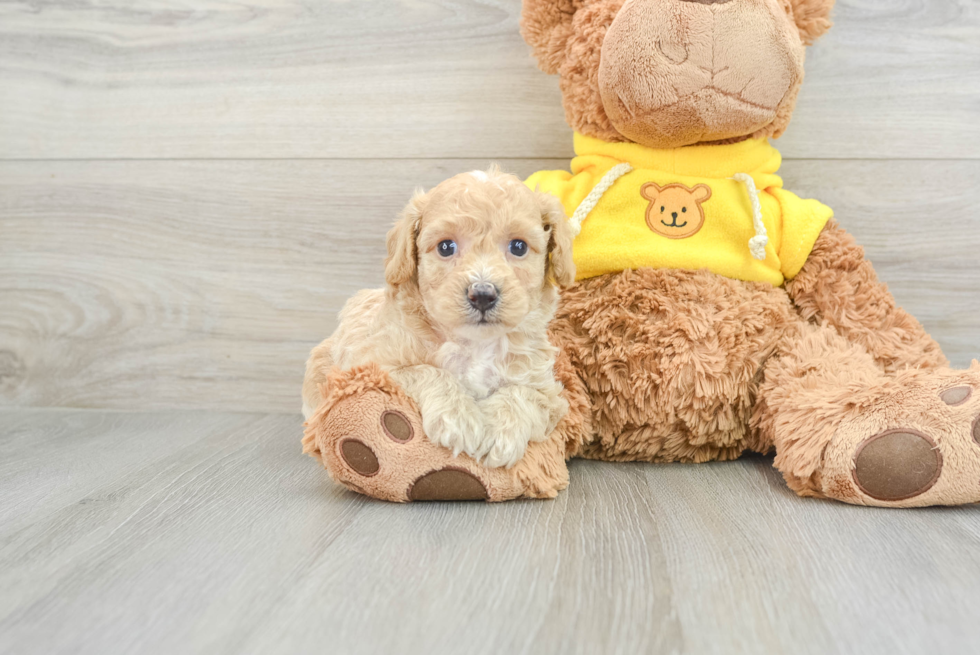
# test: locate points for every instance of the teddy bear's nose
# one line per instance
(708, 2)
(673, 214)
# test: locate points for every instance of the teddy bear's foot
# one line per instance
(368, 435)
(918, 445)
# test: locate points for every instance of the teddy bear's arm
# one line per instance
(839, 286)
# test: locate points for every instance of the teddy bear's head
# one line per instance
(670, 73)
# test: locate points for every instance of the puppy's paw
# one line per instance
(459, 431)
(505, 451)
(557, 410)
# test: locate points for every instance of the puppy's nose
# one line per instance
(482, 296)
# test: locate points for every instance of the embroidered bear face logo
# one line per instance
(675, 210)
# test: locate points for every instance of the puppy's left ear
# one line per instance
(560, 264)
(402, 260)
(812, 17)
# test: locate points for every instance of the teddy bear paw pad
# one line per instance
(359, 457)
(448, 484)
(957, 395)
(897, 464)
(397, 426)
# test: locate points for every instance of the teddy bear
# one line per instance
(713, 311)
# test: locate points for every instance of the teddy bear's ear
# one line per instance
(701, 192)
(560, 263)
(546, 26)
(402, 257)
(650, 191)
(812, 17)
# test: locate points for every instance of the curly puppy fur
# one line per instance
(483, 379)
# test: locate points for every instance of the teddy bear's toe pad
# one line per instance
(397, 427)
(956, 395)
(897, 464)
(359, 457)
(448, 484)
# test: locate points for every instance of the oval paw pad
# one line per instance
(956, 395)
(448, 484)
(897, 464)
(397, 427)
(359, 457)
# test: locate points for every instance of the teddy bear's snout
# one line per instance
(709, 85)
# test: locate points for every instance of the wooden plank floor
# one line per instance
(203, 532)
(189, 192)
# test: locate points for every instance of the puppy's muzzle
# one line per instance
(482, 296)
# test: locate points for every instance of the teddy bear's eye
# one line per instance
(661, 210)
(684, 209)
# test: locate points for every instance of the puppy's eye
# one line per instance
(518, 248)
(446, 248)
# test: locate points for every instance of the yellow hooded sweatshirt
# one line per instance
(691, 208)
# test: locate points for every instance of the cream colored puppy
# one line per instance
(472, 273)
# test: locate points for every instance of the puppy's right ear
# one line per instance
(402, 260)
(560, 263)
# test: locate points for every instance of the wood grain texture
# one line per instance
(168, 283)
(422, 79)
(810, 576)
(151, 285)
(211, 533)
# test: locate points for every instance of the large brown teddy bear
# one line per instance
(715, 312)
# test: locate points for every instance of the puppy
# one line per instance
(472, 274)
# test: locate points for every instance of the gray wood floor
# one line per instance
(193, 532)
(189, 192)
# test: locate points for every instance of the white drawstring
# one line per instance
(758, 243)
(591, 200)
